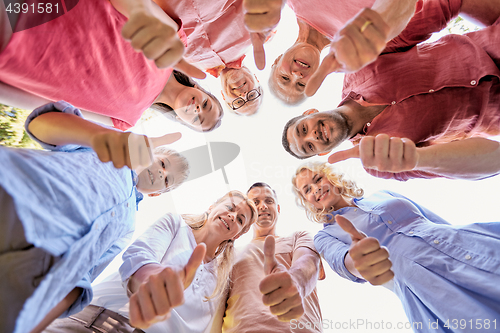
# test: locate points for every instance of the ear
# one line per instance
(277, 60)
(256, 79)
(323, 154)
(310, 111)
(223, 97)
(155, 194)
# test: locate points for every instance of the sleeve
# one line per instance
(151, 246)
(304, 239)
(403, 176)
(430, 16)
(83, 300)
(334, 251)
(60, 106)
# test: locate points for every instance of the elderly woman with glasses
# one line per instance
(241, 91)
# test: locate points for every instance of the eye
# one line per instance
(308, 189)
(319, 179)
(285, 78)
(240, 220)
(205, 103)
(166, 182)
(256, 202)
(300, 84)
(310, 146)
(269, 201)
(304, 129)
(162, 164)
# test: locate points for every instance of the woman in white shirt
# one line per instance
(174, 281)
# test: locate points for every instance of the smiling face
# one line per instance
(229, 217)
(166, 172)
(317, 133)
(197, 109)
(267, 207)
(317, 190)
(237, 83)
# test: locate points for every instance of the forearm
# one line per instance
(349, 264)
(472, 159)
(18, 98)
(305, 270)
(142, 275)
(58, 128)
(396, 13)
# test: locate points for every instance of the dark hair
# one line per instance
(262, 184)
(284, 139)
(185, 80)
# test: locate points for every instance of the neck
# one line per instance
(170, 92)
(203, 236)
(260, 233)
(309, 35)
(343, 202)
(357, 115)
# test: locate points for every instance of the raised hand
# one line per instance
(367, 256)
(279, 288)
(162, 291)
(382, 153)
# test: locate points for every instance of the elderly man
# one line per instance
(431, 95)
(273, 281)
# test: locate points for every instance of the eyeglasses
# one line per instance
(251, 96)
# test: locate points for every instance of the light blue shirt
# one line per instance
(442, 272)
(74, 207)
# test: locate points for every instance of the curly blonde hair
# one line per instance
(224, 255)
(347, 189)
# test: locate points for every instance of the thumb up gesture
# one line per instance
(163, 290)
(279, 288)
(366, 255)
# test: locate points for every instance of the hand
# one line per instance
(352, 49)
(369, 259)
(261, 17)
(156, 37)
(128, 149)
(279, 288)
(382, 153)
(156, 297)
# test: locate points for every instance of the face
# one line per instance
(162, 174)
(229, 217)
(295, 67)
(267, 207)
(317, 133)
(236, 84)
(317, 189)
(196, 109)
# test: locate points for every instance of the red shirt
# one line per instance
(82, 58)
(436, 92)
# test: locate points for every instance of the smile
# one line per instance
(301, 64)
(324, 131)
(189, 105)
(322, 196)
(227, 226)
(151, 178)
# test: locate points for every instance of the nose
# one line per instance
(231, 216)
(297, 74)
(161, 174)
(313, 135)
(262, 206)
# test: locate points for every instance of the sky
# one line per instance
(262, 158)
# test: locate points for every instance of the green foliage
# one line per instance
(12, 131)
(460, 26)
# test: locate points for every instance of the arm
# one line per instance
(481, 12)
(18, 98)
(305, 269)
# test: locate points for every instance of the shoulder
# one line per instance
(170, 221)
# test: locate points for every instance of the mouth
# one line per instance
(264, 215)
(224, 222)
(302, 64)
(322, 196)
(151, 178)
(191, 103)
(325, 135)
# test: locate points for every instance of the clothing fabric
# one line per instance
(82, 58)
(72, 206)
(91, 320)
(435, 92)
(245, 311)
(216, 34)
(434, 263)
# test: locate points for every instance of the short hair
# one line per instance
(284, 139)
(168, 111)
(262, 184)
(257, 106)
(181, 160)
(281, 94)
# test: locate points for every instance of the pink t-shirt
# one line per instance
(215, 30)
(82, 58)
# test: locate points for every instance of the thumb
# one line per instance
(328, 65)
(344, 155)
(194, 262)
(348, 227)
(259, 54)
(190, 70)
(269, 259)
(164, 140)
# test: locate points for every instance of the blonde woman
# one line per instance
(431, 262)
(174, 281)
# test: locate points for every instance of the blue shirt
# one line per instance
(442, 272)
(74, 207)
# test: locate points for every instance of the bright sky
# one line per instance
(262, 158)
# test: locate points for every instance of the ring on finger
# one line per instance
(365, 25)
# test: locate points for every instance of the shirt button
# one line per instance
(197, 20)
(436, 241)
(390, 222)
(411, 232)
(393, 102)
(128, 204)
(355, 209)
(113, 214)
(473, 82)
(431, 90)
(468, 257)
(204, 36)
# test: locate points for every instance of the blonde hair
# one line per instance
(225, 252)
(180, 160)
(347, 189)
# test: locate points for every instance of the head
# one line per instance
(169, 170)
(241, 90)
(229, 217)
(315, 133)
(195, 107)
(292, 70)
(266, 201)
(319, 188)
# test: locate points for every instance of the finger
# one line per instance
(116, 148)
(164, 140)
(366, 151)
(373, 258)
(135, 314)
(294, 313)
(171, 56)
(376, 270)
(269, 259)
(173, 283)
(194, 262)
(383, 278)
(133, 25)
(328, 65)
(287, 289)
(410, 154)
(381, 152)
(190, 70)
(146, 303)
(287, 305)
(348, 227)
(141, 155)
(101, 149)
(259, 54)
(159, 294)
(362, 248)
(344, 155)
